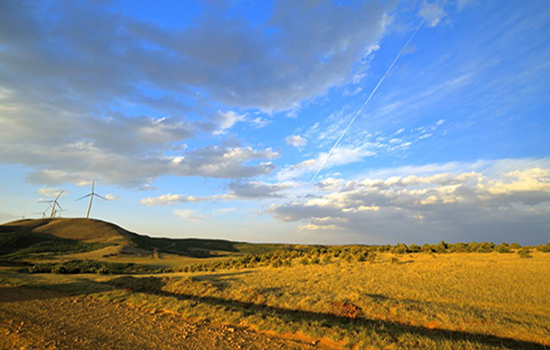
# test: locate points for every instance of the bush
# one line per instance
(413, 248)
(441, 247)
(503, 248)
(485, 247)
(427, 248)
(524, 253)
(88, 266)
(544, 248)
(399, 249)
(458, 247)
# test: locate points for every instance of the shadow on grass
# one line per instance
(392, 331)
(18, 294)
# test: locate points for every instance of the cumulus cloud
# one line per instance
(83, 161)
(227, 120)
(50, 192)
(189, 215)
(257, 189)
(296, 141)
(171, 199)
(77, 76)
(484, 203)
(238, 190)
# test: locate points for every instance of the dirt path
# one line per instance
(38, 319)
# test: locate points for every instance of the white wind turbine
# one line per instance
(54, 203)
(43, 213)
(91, 195)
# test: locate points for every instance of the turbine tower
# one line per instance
(91, 195)
(54, 203)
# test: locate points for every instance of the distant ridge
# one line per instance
(92, 234)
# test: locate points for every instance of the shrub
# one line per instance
(399, 249)
(427, 248)
(515, 246)
(458, 247)
(485, 247)
(544, 248)
(394, 260)
(524, 253)
(503, 248)
(441, 247)
(413, 248)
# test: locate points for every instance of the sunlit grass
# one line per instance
(462, 297)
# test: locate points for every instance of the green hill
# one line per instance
(48, 237)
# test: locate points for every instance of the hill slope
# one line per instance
(56, 236)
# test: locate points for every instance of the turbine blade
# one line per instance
(97, 195)
(89, 194)
(59, 195)
(60, 207)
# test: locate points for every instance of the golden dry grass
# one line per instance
(448, 301)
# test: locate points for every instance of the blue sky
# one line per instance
(210, 119)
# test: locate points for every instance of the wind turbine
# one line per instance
(43, 212)
(91, 195)
(53, 205)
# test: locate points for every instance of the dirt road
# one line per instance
(39, 319)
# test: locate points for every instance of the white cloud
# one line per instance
(257, 189)
(171, 199)
(50, 192)
(296, 141)
(425, 204)
(226, 120)
(432, 13)
(260, 122)
(238, 190)
(110, 197)
(189, 215)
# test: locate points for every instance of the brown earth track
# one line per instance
(40, 319)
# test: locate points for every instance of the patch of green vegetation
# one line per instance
(23, 244)
(207, 248)
(90, 266)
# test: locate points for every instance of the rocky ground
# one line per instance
(40, 319)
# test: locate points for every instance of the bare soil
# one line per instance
(40, 319)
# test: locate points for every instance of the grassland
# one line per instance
(447, 301)
(440, 296)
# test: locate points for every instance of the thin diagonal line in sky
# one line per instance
(364, 104)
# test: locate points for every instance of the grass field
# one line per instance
(431, 301)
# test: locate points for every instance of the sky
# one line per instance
(281, 121)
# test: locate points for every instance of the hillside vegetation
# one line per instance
(55, 237)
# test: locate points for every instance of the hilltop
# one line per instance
(68, 236)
